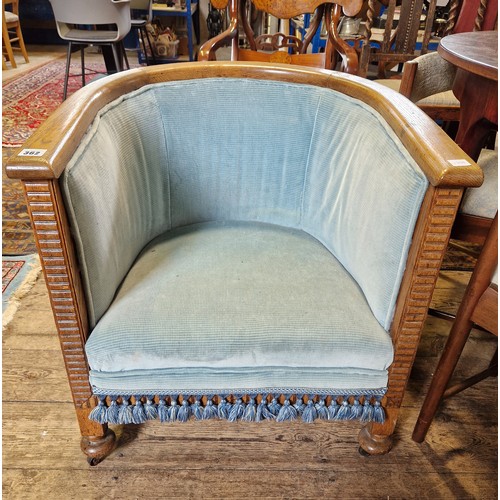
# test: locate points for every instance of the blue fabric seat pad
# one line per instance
(228, 307)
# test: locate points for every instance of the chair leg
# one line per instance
(8, 46)
(150, 46)
(20, 38)
(97, 441)
(82, 60)
(376, 439)
(66, 76)
(124, 52)
(118, 63)
(141, 34)
(459, 333)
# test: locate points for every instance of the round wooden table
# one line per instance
(475, 55)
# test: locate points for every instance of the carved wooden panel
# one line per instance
(435, 224)
(58, 262)
(285, 9)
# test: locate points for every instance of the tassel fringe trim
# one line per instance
(139, 409)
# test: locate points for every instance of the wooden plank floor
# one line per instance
(42, 459)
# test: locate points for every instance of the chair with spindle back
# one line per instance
(390, 46)
(285, 47)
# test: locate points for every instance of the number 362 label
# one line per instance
(32, 152)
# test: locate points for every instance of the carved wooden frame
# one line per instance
(336, 47)
(61, 134)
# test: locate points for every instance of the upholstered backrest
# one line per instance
(178, 153)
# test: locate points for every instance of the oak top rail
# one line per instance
(62, 132)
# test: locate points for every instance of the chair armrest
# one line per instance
(208, 49)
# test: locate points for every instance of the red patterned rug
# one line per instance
(27, 102)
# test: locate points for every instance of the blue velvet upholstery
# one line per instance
(238, 306)
(282, 186)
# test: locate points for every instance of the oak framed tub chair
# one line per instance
(277, 265)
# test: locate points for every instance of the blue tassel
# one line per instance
(99, 413)
(150, 409)
(333, 408)
(299, 406)
(237, 411)
(250, 411)
(378, 413)
(210, 411)
(310, 413)
(356, 410)
(367, 414)
(223, 409)
(263, 412)
(173, 410)
(125, 413)
(138, 413)
(197, 410)
(344, 412)
(274, 407)
(321, 409)
(184, 412)
(287, 412)
(112, 412)
(162, 411)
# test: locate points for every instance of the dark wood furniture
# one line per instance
(475, 55)
(391, 45)
(479, 307)
(282, 47)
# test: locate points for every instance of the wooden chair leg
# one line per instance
(376, 439)
(8, 46)
(20, 38)
(97, 440)
(459, 334)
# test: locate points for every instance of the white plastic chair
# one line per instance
(142, 14)
(93, 22)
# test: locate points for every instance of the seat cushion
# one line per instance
(446, 98)
(238, 307)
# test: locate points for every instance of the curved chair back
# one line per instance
(266, 45)
(92, 12)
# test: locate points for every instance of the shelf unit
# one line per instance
(190, 13)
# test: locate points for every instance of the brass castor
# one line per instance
(97, 448)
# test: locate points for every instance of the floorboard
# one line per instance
(42, 457)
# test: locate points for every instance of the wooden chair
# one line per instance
(389, 46)
(11, 33)
(221, 280)
(427, 80)
(479, 308)
(285, 47)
